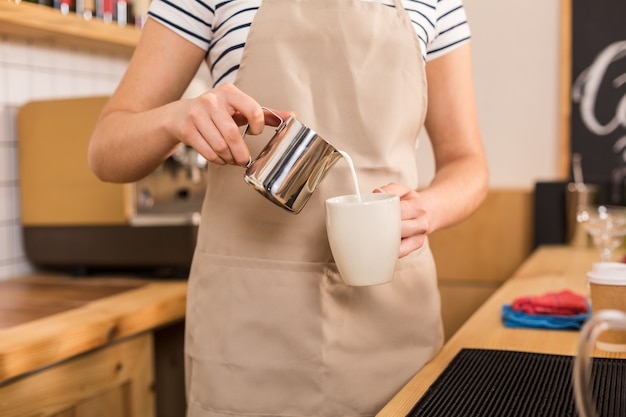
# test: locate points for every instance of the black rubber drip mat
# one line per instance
(498, 383)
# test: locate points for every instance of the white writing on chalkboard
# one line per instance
(586, 86)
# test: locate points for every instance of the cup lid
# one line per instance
(608, 273)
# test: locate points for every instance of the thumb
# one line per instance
(392, 188)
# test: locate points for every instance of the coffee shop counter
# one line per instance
(70, 345)
(548, 269)
(73, 346)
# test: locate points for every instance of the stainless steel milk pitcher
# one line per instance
(291, 165)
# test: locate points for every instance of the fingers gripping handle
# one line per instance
(245, 130)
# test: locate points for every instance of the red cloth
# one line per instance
(562, 303)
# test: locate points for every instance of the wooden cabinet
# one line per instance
(41, 22)
(116, 380)
(85, 347)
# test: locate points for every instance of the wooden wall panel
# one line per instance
(492, 243)
(476, 256)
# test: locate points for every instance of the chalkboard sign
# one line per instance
(597, 93)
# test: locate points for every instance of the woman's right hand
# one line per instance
(210, 123)
(145, 119)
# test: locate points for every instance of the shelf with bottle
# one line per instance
(64, 25)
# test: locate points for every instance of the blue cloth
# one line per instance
(512, 318)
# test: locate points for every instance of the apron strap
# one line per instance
(403, 13)
(398, 4)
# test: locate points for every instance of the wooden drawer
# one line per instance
(113, 381)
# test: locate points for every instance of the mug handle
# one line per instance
(581, 375)
(245, 130)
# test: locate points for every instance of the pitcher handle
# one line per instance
(598, 323)
(245, 130)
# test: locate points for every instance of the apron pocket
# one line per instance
(254, 332)
(378, 337)
(273, 338)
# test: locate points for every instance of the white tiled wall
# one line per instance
(35, 70)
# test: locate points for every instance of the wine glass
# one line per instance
(606, 225)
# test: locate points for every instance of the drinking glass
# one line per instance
(606, 225)
(600, 322)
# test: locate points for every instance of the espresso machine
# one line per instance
(71, 220)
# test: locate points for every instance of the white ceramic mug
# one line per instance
(364, 236)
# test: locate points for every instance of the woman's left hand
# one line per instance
(413, 212)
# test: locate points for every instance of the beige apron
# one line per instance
(271, 328)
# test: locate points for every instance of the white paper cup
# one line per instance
(607, 286)
(364, 236)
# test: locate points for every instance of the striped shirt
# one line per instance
(221, 27)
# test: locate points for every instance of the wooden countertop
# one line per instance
(548, 269)
(45, 319)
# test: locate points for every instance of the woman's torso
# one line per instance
(272, 329)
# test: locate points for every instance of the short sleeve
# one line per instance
(191, 19)
(451, 27)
